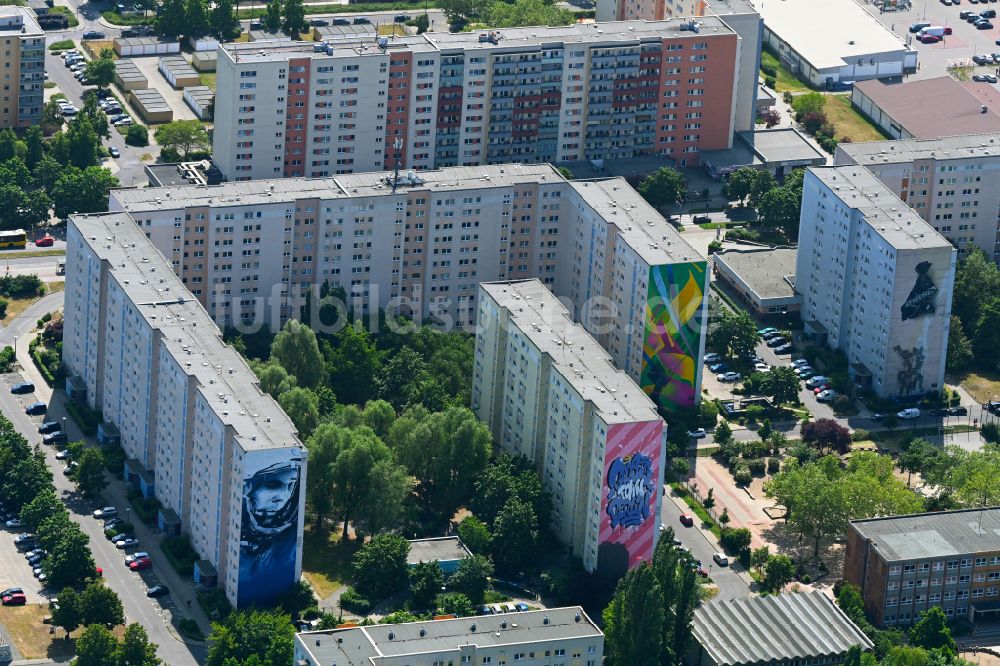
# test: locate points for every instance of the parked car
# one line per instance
(114, 152)
(908, 413)
(802, 368)
(719, 367)
(799, 362)
(49, 426)
(770, 335)
(93, 34)
(37, 559)
(24, 538)
(55, 438)
(112, 523)
(984, 25)
(721, 559)
(360, 20)
(70, 468)
(14, 523)
(806, 374)
(521, 607)
(765, 331)
(917, 26)
(36, 409)
(66, 54)
(123, 121)
(827, 396)
(982, 59)
(401, 18)
(929, 39)
(318, 22)
(157, 591)
(340, 22)
(129, 559)
(776, 341)
(62, 455)
(11, 590)
(958, 411)
(33, 552)
(819, 389)
(130, 542)
(697, 433)
(784, 349)
(687, 520)
(118, 536)
(760, 366)
(816, 380)
(141, 564)
(701, 219)
(485, 610)
(728, 376)
(22, 387)
(106, 512)
(712, 358)
(16, 599)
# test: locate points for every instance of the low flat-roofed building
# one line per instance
(201, 99)
(778, 150)
(803, 628)
(900, 561)
(763, 278)
(832, 43)
(178, 72)
(562, 633)
(149, 104)
(910, 110)
(446, 551)
(128, 76)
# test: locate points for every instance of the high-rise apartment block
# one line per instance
(549, 392)
(579, 92)
(22, 60)
(221, 456)
(950, 182)
(421, 248)
(907, 564)
(876, 281)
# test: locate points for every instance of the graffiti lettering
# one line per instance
(630, 487)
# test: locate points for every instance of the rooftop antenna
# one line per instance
(397, 144)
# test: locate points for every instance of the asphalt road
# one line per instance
(130, 587)
(731, 585)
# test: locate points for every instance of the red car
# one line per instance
(139, 565)
(687, 520)
(929, 39)
(98, 571)
(703, 572)
(45, 241)
(16, 599)
(820, 389)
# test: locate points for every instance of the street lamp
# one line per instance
(15, 346)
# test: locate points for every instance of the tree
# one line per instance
(390, 486)
(34, 210)
(782, 385)
(917, 455)
(34, 512)
(96, 646)
(100, 72)
(100, 605)
(170, 20)
(379, 416)
(778, 572)
(507, 477)
(302, 407)
(455, 603)
(973, 477)
(223, 20)
(137, 135)
(634, 620)
(723, 433)
(353, 474)
(352, 365)
(664, 187)
(986, 342)
(136, 649)
(960, 354)
(736, 539)
(70, 561)
(82, 191)
(739, 184)
(426, 583)
(184, 136)
(89, 474)
(273, 378)
(779, 208)
(380, 568)
(931, 631)
(296, 349)
(759, 558)
(255, 637)
(422, 23)
(324, 446)
(472, 577)
(28, 478)
(734, 332)
(977, 283)
(272, 18)
(771, 117)
(196, 21)
(826, 434)
(474, 534)
(66, 615)
(526, 12)
(515, 532)
(762, 183)
(295, 18)
(35, 148)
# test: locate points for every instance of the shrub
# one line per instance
(3, 308)
(354, 602)
(714, 247)
(769, 70)
(770, 82)
(6, 359)
(114, 460)
(735, 540)
(754, 412)
(137, 135)
(991, 433)
(742, 475)
(86, 418)
(189, 628)
(180, 554)
(62, 45)
(860, 435)
(215, 604)
(21, 286)
(756, 466)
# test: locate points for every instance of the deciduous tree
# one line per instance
(634, 620)
(100, 605)
(778, 572)
(664, 187)
(256, 637)
(472, 577)
(296, 349)
(515, 532)
(380, 568)
(302, 407)
(97, 646)
(474, 534)
(426, 583)
(184, 136)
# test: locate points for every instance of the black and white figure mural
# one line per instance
(272, 493)
(922, 296)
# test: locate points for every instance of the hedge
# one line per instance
(62, 45)
(114, 460)
(180, 554)
(215, 604)
(145, 507)
(86, 418)
(354, 602)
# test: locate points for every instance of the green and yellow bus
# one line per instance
(16, 238)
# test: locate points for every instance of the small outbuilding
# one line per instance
(201, 99)
(448, 551)
(761, 278)
(128, 76)
(151, 106)
(127, 47)
(205, 61)
(178, 72)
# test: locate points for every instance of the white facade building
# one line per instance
(876, 281)
(549, 392)
(423, 247)
(227, 465)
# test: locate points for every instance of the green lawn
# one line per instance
(786, 81)
(59, 9)
(207, 79)
(848, 121)
(326, 561)
(981, 385)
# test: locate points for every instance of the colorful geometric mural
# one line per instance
(629, 493)
(673, 333)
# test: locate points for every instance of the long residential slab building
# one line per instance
(539, 94)
(549, 392)
(420, 246)
(950, 182)
(222, 457)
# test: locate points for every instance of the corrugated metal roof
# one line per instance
(776, 627)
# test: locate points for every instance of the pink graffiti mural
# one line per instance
(631, 488)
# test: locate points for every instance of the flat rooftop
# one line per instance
(358, 646)
(226, 382)
(506, 39)
(827, 32)
(21, 20)
(775, 628)
(932, 535)
(575, 354)
(782, 145)
(884, 212)
(908, 150)
(910, 105)
(443, 549)
(767, 271)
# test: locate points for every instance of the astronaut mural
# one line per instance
(272, 495)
